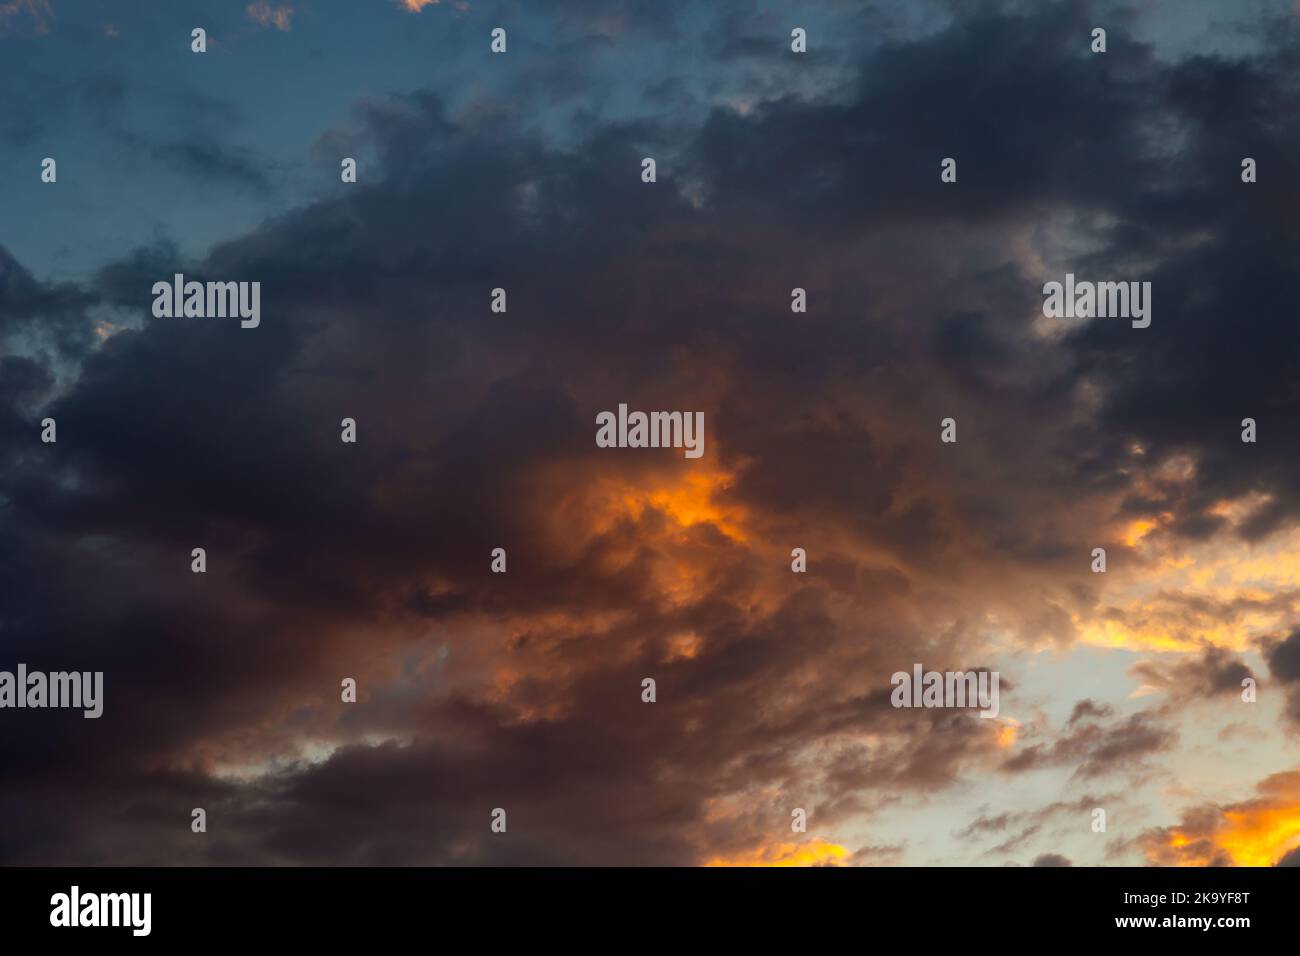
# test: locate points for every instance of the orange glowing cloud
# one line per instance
(1255, 832)
(688, 500)
(1007, 733)
(665, 512)
(811, 853)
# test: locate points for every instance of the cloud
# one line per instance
(208, 161)
(810, 853)
(36, 15)
(522, 690)
(1283, 656)
(47, 322)
(1089, 709)
(265, 15)
(1053, 819)
(1093, 748)
(879, 854)
(1217, 672)
(1261, 831)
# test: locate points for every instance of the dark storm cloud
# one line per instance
(1159, 393)
(1218, 241)
(475, 431)
(43, 318)
(913, 106)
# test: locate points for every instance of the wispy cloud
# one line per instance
(38, 12)
(265, 15)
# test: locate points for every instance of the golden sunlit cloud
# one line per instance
(812, 853)
(1256, 832)
(689, 501)
(1142, 527)
(1224, 591)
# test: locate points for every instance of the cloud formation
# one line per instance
(523, 690)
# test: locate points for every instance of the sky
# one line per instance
(522, 691)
